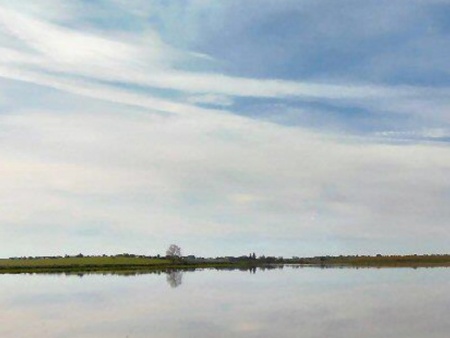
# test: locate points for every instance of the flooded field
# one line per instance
(287, 302)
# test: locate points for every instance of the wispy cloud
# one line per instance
(179, 177)
(62, 53)
(140, 137)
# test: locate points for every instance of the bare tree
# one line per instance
(174, 251)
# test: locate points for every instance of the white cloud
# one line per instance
(431, 133)
(61, 53)
(173, 169)
(68, 48)
(178, 176)
(211, 99)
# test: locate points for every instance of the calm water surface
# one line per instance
(288, 302)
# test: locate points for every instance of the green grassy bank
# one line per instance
(105, 264)
(141, 264)
(381, 261)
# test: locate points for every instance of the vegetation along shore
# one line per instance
(132, 262)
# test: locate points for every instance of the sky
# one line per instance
(306, 127)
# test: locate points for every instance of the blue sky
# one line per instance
(280, 127)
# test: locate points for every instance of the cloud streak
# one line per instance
(118, 140)
(61, 53)
(223, 178)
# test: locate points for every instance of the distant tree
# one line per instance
(174, 251)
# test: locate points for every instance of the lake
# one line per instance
(287, 302)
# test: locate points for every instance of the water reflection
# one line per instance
(174, 278)
(270, 302)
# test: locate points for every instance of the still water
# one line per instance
(288, 302)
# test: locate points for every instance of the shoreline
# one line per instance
(141, 264)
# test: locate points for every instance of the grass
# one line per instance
(82, 261)
(101, 264)
(125, 264)
(383, 261)
(74, 264)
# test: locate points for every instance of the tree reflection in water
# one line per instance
(174, 278)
